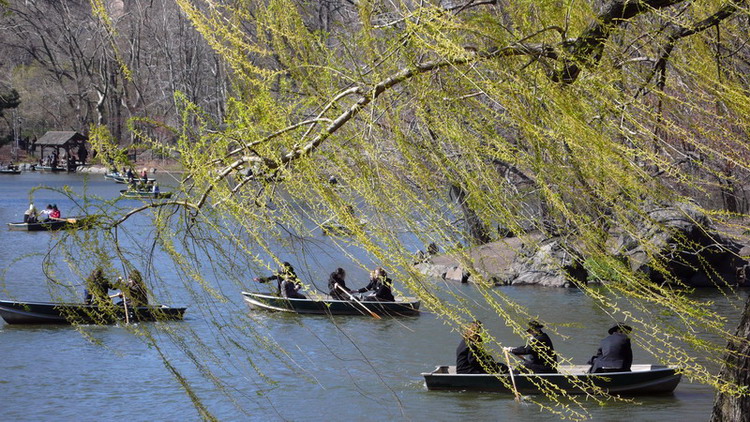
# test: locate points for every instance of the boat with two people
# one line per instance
(22, 312)
(97, 306)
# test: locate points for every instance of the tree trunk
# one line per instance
(477, 230)
(736, 369)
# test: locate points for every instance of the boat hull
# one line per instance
(62, 224)
(66, 313)
(145, 195)
(329, 306)
(643, 379)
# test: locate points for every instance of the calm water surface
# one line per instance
(347, 368)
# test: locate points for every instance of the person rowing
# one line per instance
(44, 215)
(539, 353)
(337, 285)
(133, 291)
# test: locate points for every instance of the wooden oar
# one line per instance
(127, 317)
(512, 378)
(374, 315)
(69, 220)
(124, 304)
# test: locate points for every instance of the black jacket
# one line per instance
(468, 360)
(336, 292)
(614, 354)
(382, 290)
(290, 289)
(540, 354)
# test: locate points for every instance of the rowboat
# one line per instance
(118, 178)
(144, 194)
(10, 171)
(56, 224)
(574, 379)
(49, 168)
(67, 313)
(325, 305)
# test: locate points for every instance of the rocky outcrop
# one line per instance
(685, 240)
(681, 237)
(551, 264)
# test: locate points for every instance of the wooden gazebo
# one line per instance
(73, 144)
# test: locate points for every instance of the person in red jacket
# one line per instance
(55, 213)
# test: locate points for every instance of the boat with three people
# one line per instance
(573, 379)
(16, 312)
(325, 305)
(51, 224)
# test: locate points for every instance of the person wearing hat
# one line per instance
(539, 353)
(615, 353)
(471, 358)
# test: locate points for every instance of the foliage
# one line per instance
(563, 120)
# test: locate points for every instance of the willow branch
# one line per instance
(135, 211)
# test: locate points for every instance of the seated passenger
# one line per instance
(337, 285)
(615, 353)
(30, 215)
(55, 213)
(539, 354)
(380, 286)
(290, 289)
(45, 213)
(471, 357)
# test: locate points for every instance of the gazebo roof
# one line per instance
(60, 138)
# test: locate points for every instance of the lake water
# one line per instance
(340, 369)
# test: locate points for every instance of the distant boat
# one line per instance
(113, 176)
(55, 224)
(642, 379)
(144, 194)
(10, 170)
(327, 306)
(49, 168)
(65, 313)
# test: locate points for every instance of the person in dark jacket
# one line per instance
(285, 272)
(380, 286)
(337, 285)
(615, 353)
(539, 353)
(133, 291)
(290, 289)
(471, 357)
(97, 289)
